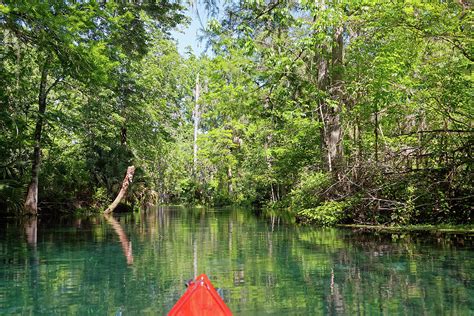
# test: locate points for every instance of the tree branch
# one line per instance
(435, 131)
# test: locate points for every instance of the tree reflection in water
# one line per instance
(31, 230)
(126, 244)
(263, 265)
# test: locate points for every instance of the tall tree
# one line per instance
(77, 40)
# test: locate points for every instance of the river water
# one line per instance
(138, 263)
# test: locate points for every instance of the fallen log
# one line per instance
(123, 191)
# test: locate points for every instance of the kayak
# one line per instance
(200, 298)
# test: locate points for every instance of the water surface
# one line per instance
(138, 264)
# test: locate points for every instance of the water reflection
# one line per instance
(126, 244)
(31, 230)
(262, 266)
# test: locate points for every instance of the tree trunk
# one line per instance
(123, 191)
(196, 117)
(229, 179)
(333, 137)
(332, 84)
(31, 202)
(322, 85)
(123, 135)
(266, 145)
(376, 133)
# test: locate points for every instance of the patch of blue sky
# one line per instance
(187, 37)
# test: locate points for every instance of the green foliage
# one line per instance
(301, 106)
(327, 214)
(404, 214)
(404, 104)
(11, 196)
(98, 67)
(100, 198)
(309, 191)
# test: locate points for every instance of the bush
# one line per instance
(12, 195)
(404, 215)
(307, 193)
(101, 198)
(327, 214)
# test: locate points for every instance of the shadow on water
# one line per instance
(263, 265)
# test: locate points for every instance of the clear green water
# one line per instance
(80, 266)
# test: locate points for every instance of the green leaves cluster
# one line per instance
(373, 97)
(327, 214)
(302, 106)
(99, 59)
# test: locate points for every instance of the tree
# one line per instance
(83, 41)
(364, 75)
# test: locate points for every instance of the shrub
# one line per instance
(101, 198)
(327, 214)
(307, 193)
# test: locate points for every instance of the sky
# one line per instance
(189, 35)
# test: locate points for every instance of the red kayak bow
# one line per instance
(200, 299)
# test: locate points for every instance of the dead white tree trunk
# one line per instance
(197, 118)
(123, 191)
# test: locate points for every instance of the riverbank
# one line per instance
(443, 228)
